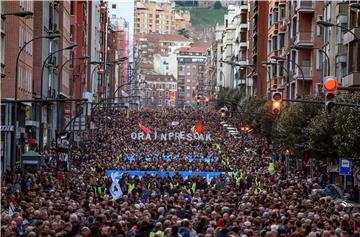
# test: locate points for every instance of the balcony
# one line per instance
(304, 38)
(307, 70)
(274, 28)
(353, 79)
(305, 6)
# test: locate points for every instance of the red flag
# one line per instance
(144, 129)
(199, 127)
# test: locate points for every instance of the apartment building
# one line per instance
(15, 31)
(192, 73)
(158, 17)
(258, 17)
(304, 60)
(351, 40)
(160, 91)
(156, 51)
(232, 49)
(335, 61)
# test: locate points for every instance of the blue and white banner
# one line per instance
(116, 174)
(150, 158)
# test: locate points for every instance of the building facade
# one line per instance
(15, 31)
(158, 17)
(160, 91)
(232, 48)
(192, 73)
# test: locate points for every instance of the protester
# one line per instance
(250, 197)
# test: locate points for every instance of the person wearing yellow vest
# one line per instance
(130, 188)
(271, 167)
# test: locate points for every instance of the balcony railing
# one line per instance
(307, 70)
(304, 37)
(305, 5)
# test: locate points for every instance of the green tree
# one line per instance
(320, 132)
(229, 97)
(347, 127)
(184, 32)
(291, 127)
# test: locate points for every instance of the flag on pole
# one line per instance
(115, 190)
(198, 128)
(124, 94)
(144, 129)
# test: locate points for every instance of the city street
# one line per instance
(168, 118)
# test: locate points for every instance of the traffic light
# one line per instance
(330, 85)
(207, 100)
(276, 102)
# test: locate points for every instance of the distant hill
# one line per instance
(205, 17)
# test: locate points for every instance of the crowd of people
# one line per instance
(248, 199)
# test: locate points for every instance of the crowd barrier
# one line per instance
(116, 174)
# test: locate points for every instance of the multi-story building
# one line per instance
(15, 31)
(192, 73)
(333, 40)
(276, 36)
(258, 17)
(304, 34)
(232, 49)
(155, 51)
(352, 74)
(159, 91)
(158, 17)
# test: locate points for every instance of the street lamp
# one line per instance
(276, 58)
(19, 14)
(298, 47)
(355, 5)
(15, 117)
(329, 24)
(70, 47)
(70, 59)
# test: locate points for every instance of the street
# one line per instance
(121, 186)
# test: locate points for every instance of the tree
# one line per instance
(320, 133)
(290, 127)
(217, 5)
(184, 32)
(229, 97)
(347, 127)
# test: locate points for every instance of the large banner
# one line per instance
(116, 174)
(206, 159)
(170, 136)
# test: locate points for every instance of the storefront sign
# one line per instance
(7, 128)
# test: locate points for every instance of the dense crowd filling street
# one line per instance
(255, 194)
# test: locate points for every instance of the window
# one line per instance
(113, 6)
(319, 59)
(318, 28)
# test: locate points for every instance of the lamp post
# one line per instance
(59, 91)
(18, 14)
(15, 117)
(70, 47)
(329, 24)
(298, 47)
(284, 68)
(300, 69)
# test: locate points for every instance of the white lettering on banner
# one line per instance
(170, 136)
